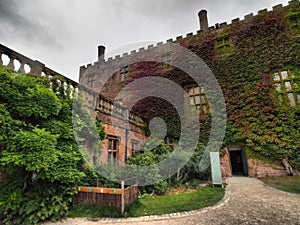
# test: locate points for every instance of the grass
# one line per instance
(289, 184)
(93, 212)
(156, 205)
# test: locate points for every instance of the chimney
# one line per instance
(101, 52)
(203, 20)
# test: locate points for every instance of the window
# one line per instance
(90, 80)
(286, 84)
(198, 99)
(223, 45)
(113, 148)
(294, 20)
(166, 60)
(135, 147)
(124, 72)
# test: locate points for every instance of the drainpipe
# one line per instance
(126, 143)
(126, 135)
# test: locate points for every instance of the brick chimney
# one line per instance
(101, 52)
(203, 20)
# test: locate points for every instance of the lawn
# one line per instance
(156, 205)
(289, 184)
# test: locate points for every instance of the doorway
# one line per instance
(238, 162)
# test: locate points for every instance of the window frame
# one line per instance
(114, 152)
(294, 21)
(167, 60)
(203, 105)
(90, 80)
(286, 84)
(133, 149)
(223, 45)
(124, 73)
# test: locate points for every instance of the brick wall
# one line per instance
(259, 169)
(225, 163)
(120, 132)
(255, 168)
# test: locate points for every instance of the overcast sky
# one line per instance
(64, 34)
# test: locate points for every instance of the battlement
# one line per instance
(198, 34)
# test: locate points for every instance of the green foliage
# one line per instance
(161, 187)
(28, 98)
(38, 149)
(25, 146)
(50, 202)
(151, 174)
(191, 170)
(262, 45)
(258, 47)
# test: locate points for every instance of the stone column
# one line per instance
(22, 69)
(36, 68)
(11, 63)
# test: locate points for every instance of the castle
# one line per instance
(256, 63)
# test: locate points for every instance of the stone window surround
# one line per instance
(287, 86)
(198, 99)
(223, 44)
(135, 146)
(124, 72)
(113, 147)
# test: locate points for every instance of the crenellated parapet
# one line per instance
(204, 30)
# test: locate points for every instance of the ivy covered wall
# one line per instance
(257, 64)
(256, 49)
(244, 56)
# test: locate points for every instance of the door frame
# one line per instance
(243, 155)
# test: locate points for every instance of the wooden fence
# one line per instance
(108, 197)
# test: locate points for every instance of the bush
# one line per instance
(161, 187)
(151, 157)
(38, 150)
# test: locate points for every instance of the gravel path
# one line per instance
(247, 201)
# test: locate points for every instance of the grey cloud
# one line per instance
(41, 28)
(20, 27)
(165, 8)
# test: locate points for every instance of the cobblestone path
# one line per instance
(247, 201)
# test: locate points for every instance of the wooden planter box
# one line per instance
(108, 197)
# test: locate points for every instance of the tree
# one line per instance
(38, 150)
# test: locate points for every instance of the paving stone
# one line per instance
(247, 201)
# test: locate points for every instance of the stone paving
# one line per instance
(247, 201)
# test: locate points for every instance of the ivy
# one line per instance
(259, 46)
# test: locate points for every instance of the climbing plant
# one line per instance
(255, 48)
(38, 151)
